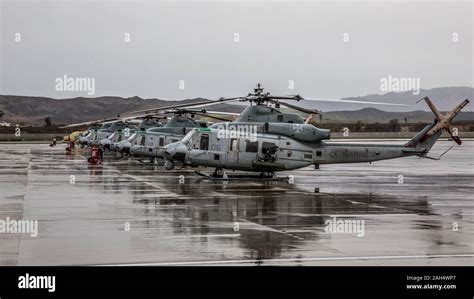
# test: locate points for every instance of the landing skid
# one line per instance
(240, 177)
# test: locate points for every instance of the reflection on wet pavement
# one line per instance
(124, 212)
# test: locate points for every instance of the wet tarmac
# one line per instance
(126, 213)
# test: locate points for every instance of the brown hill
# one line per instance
(33, 110)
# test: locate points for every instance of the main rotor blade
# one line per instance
(141, 116)
(212, 116)
(166, 107)
(354, 102)
(291, 97)
(109, 120)
(223, 113)
(189, 105)
(181, 111)
(204, 112)
(133, 121)
(304, 110)
(217, 102)
(88, 123)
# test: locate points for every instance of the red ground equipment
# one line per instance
(95, 157)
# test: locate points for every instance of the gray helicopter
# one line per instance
(120, 131)
(150, 143)
(97, 130)
(270, 147)
(124, 146)
(87, 135)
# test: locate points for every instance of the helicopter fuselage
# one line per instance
(265, 152)
(148, 142)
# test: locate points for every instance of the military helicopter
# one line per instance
(148, 142)
(91, 135)
(151, 142)
(123, 147)
(271, 147)
(120, 131)
(88, 135)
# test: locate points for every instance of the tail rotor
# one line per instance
(444, 120)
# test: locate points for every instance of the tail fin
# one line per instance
(427, 137)
(421, 141)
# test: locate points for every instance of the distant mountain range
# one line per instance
(445, 99)
(33, 110)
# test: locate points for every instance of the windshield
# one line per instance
(188, 137)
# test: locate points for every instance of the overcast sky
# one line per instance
(194, 41)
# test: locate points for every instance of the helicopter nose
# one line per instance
(170, 151)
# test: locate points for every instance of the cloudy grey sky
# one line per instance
(194, 41)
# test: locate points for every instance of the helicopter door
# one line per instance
(248, 153)
(201, 152)
(233, 153)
